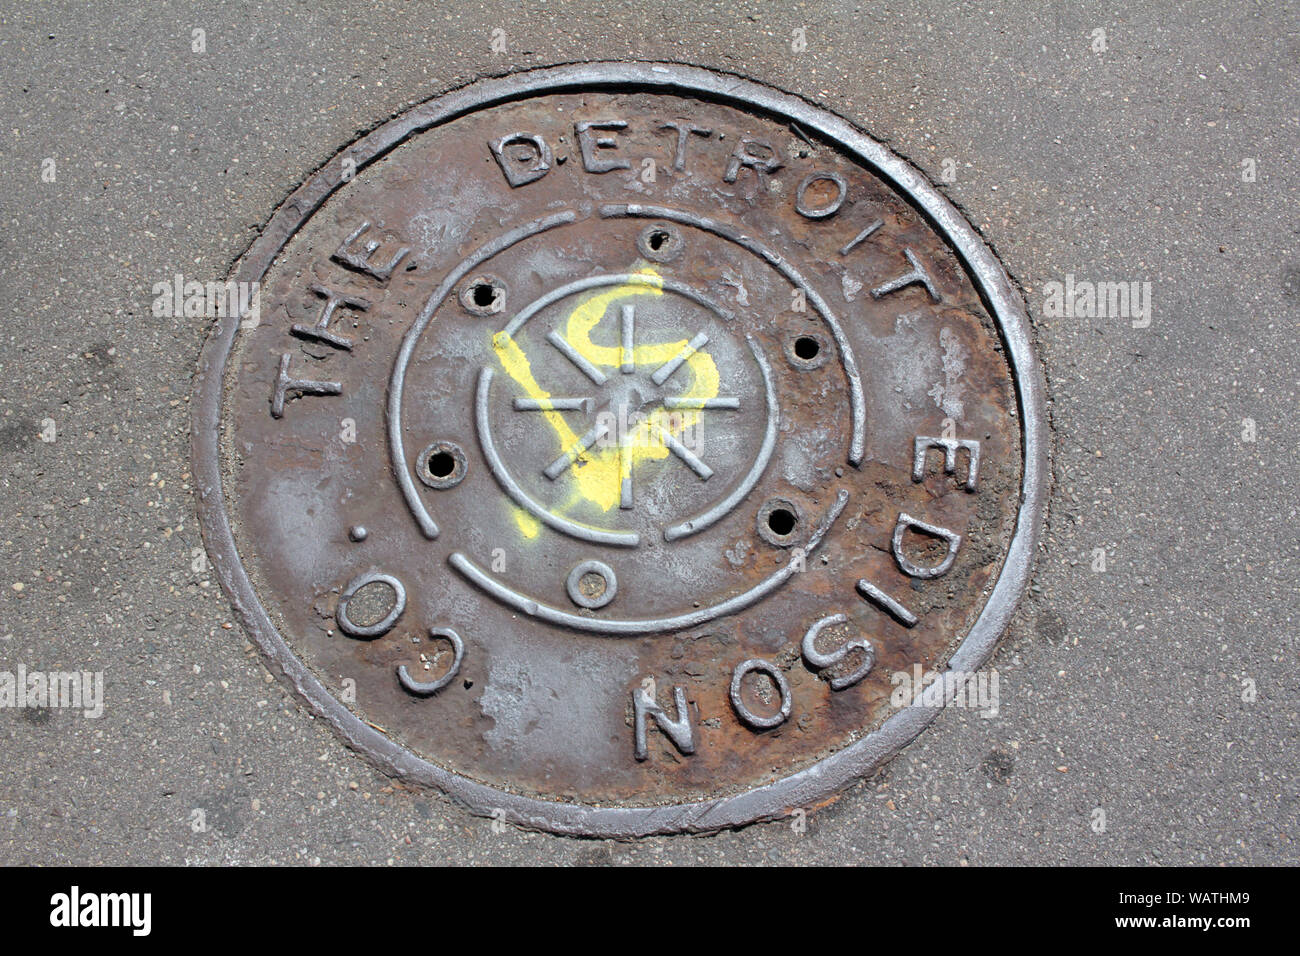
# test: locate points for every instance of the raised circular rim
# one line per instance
(802, 789)
(573, 584)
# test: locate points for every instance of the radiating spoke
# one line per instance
(626, 500)
(673, 364)
(628, 366)
(557, 467)
(685, 454)
(572, 354)
(629, 339)
(552, 404)
(722, 401)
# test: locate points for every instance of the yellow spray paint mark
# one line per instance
(598, 472)
(528, 525)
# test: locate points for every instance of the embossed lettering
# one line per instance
(679, 731)
(831, 208)
(882, 600)
(425, 688)
(949, 446)
(862, 236)
(918, 274)
(952, 539)
(684, 131)
(523, 158)
(820, 661)
(756, 154)
(345, 255)
(754, 720)
(320, 331)
(589, 144)
(284, 384)
(384, 624)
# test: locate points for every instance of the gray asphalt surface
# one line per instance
(1121, 689)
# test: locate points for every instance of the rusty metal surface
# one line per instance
(577, 401)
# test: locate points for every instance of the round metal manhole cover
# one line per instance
(608, 441)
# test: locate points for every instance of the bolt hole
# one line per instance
(806, 348)
(441, 464)
(660, 243)
(781, 522)
(483, 294)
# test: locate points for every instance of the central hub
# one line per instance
(616, 388)
(629, 398)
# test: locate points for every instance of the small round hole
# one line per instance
(780, 521)
(441, 464)
(659, 243)
(806, 351)
(483, 294)
(806, 348)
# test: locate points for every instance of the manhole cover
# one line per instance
(612, 438)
